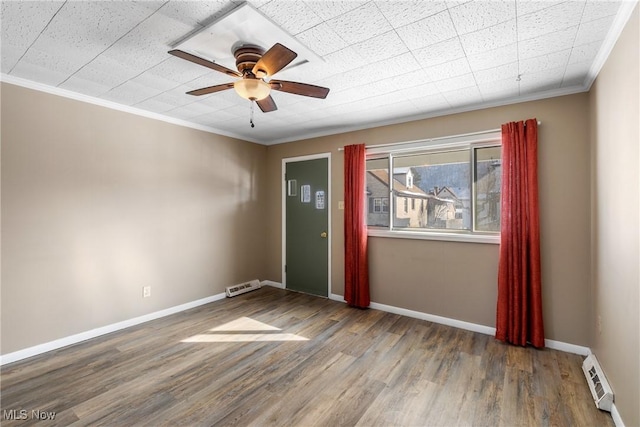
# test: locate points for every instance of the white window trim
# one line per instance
(458, 141)
(433, 235)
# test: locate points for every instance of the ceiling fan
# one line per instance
(254, 66)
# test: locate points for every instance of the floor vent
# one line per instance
(600, 389)
(232, 291)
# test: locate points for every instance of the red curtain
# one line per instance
(356, 268)
(519, 311)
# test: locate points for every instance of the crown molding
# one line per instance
(115, 106)
(481, 106)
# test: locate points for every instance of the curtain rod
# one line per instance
(435, 139)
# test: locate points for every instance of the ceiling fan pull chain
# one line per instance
(251, 116)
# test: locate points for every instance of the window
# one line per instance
(453, 189)
(377, 205)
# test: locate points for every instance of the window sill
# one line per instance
(430, 235)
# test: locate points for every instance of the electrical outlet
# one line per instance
(341, 205)
(146, 291)
(599, 324)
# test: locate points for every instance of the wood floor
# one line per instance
(273, 357)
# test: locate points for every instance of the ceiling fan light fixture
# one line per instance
(252, 89)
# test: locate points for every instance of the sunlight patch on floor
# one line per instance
(244, 329)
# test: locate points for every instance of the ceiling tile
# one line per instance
(406, 12)
(593, 30)
(344, 60)
(529, 6)
(550, 20)
(213, 118)
(420, 91)
(22, 21)
(360, 24)
(463, 97)
(102, 24)
(381, 112)
(179, 70)
(9, 57)
(478, 15)
(492, 58)
(381, 47)
(548, 43)
(216, 102)
(439, 53)
(293, 16)
(209, 79)
(147, 44)
(595, 9)
(503, 72)
(544, 80)
(175, 97)
(106, 71)
(39, 73)
(328, 9)
(396, 66)
(447, 70)
(585, 52)
(130, 93)
(501, 89)
(153, 81)
(65, 64)
(86, 87)
(575, 74)
(545, 62)
(155, 106)
(428, 31)
(321, 39)
(456, 83)
(189, 110)
(196, 13)
(430, 103)
(490, 38)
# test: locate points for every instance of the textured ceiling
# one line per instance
(384, 61)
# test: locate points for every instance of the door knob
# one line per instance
(323, 234)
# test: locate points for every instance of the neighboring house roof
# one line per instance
(401, 190)
(398, 186)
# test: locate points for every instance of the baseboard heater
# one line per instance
(242, 288)
(600, 389)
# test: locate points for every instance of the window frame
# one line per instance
(471, 143)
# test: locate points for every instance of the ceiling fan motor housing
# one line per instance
(246, 58)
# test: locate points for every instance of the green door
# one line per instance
(307, 226)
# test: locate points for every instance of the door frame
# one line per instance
(283, 183)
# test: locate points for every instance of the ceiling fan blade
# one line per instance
(210, 89)
(273, 60)
(201, 61)
(267, 104)
(303, 89)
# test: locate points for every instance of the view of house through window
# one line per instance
(454, 189)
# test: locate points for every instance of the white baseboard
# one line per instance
(487, 330)
(435, 319)
(272, 284)
(336, 297)
(617, 419)
(83, 336)
(567, 347)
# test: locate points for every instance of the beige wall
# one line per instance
(615, 117)
(98, 203)
(458, 280)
